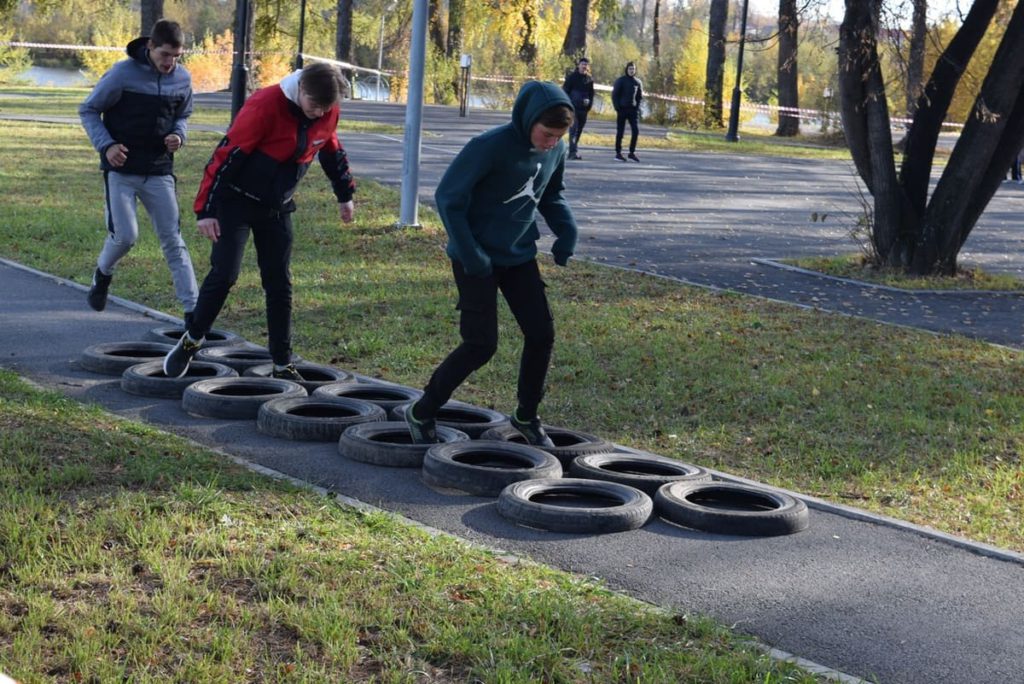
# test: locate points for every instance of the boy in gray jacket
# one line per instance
(136, 119)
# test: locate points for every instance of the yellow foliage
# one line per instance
(118, 28)
(210, 62)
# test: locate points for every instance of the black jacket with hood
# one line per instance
(136, 105)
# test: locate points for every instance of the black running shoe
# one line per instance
(288, 372)
(421, 431)
(177, 360)
(532, 430)
(635, 158)
(97, 297)
(619, 157)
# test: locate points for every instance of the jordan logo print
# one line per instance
(527, 190)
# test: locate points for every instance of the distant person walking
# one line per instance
(248, 187)
(627, 92)
(136, 119)
(1015, 167)
(579, 86)
(488, 200)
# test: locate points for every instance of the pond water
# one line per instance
(52, 76)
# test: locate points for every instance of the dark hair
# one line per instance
(629, 64)
(323, 83)
(559, 116)
(582, 60)
(167, 33)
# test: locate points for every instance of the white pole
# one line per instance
(414, 117)
(380, 54)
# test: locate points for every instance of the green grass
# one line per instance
(127, 554)
(924, 428)
(855, 266)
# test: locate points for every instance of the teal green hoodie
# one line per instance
(490, 195)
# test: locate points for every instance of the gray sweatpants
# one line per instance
(123, 190)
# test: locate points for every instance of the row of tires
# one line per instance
(583, 484)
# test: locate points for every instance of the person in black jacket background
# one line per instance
(579, 86)
(627, 92)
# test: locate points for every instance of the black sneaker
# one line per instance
(288, 372)
(532, 430)
(575, 155)
(97, 297)
(619, 157)
(421, 431)
(634, 157)
(177, 360)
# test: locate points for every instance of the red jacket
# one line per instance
(268, 149)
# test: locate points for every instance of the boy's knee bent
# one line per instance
(479, 352)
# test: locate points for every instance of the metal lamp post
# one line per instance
(732, 135)
(240, 72)
(302, 33)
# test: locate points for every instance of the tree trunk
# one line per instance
(656, 33)
(789, 95)
(932, 105)
(865, 115)
(715, 70)
(343, 34)
(435, 23)
(456, 11)
(575, 43)
(991, 137)
(643, 22)
(915, 61)
(528, 35)
(151, 11)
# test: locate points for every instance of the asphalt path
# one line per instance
(864, 595)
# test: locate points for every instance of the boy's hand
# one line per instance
(117, 155)
(173, 142)
(562, 259)
(209, 228)
(348, 211)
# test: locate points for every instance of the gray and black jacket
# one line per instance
(136, 105)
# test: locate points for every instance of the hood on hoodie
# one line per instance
(290, 86)
(535, 98)
(138, 50)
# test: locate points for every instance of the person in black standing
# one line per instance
(579, 86)
(627, 92)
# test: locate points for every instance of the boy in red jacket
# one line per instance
(248, 186)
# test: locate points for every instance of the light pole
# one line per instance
(239, 71)
(302, 33)
(732, 135)
(380, 54)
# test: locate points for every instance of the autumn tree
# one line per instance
(575, 43)
(151, 11)
(714, 80)
(909, 229)
(788, 77)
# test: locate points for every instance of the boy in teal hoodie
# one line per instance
(488, 200)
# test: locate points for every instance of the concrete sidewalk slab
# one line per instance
(858, 595)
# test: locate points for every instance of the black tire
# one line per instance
(314, 419)
(215, 338)
(473, 420)
(241, 357)
(389, 444)
(112, 358)
(560, 505)
(646, 473)
(569, 444)
(313, 374)
(486, 467)
(148, 379)
(236, 397)
(731, 508)
(386, 396)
